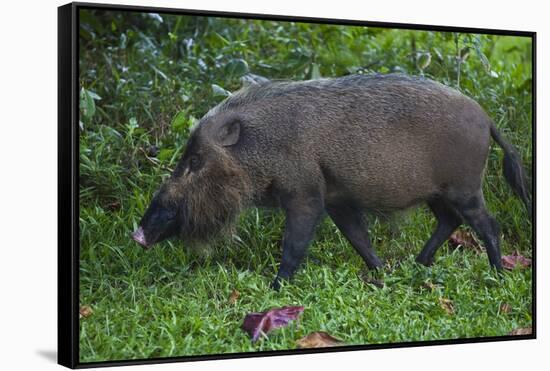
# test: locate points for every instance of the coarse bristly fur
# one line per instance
(211, 200)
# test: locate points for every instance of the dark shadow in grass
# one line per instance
(241, 257)
(50, 355)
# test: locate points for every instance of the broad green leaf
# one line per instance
(252, 79)
(165, 154)
(93, 95)
(132, 126)
(236, 68)
(123, 41)
(133, 123)
(423, 60)
(155, 16)
(219, 91)
(464, 53)
(179, 122)
(483, 58)
(87, 104)
(315, 73)
(193, 122)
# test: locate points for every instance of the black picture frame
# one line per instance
(68, 182)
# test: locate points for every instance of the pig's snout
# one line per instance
(139, 237)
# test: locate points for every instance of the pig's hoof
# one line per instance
(497, 267)
(427, 262)
(378, 266)
(276, 284)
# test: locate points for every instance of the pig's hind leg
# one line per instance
(352, 223)
(447, 221)
(473, 210)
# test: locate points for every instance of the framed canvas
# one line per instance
(242, 185)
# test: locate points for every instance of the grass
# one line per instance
(144, 83)
(169, 302)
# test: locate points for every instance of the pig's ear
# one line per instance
(229, 133)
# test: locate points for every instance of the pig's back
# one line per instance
(400, 140)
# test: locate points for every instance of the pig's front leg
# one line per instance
(302, 216)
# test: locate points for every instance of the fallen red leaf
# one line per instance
(522, 331)
(257, 323)
(318, 339)
(511, 261)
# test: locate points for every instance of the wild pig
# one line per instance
(346, 147)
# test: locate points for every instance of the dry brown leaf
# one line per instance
(505, 308)
(465, 239)
(522, 331)
(319, 339)
(447, 305)
(85, 311)
(429, 285)
(234, 297)
(366, 278)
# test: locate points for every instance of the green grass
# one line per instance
(169, 302)
(144, 84)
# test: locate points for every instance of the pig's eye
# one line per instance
(194, 162)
